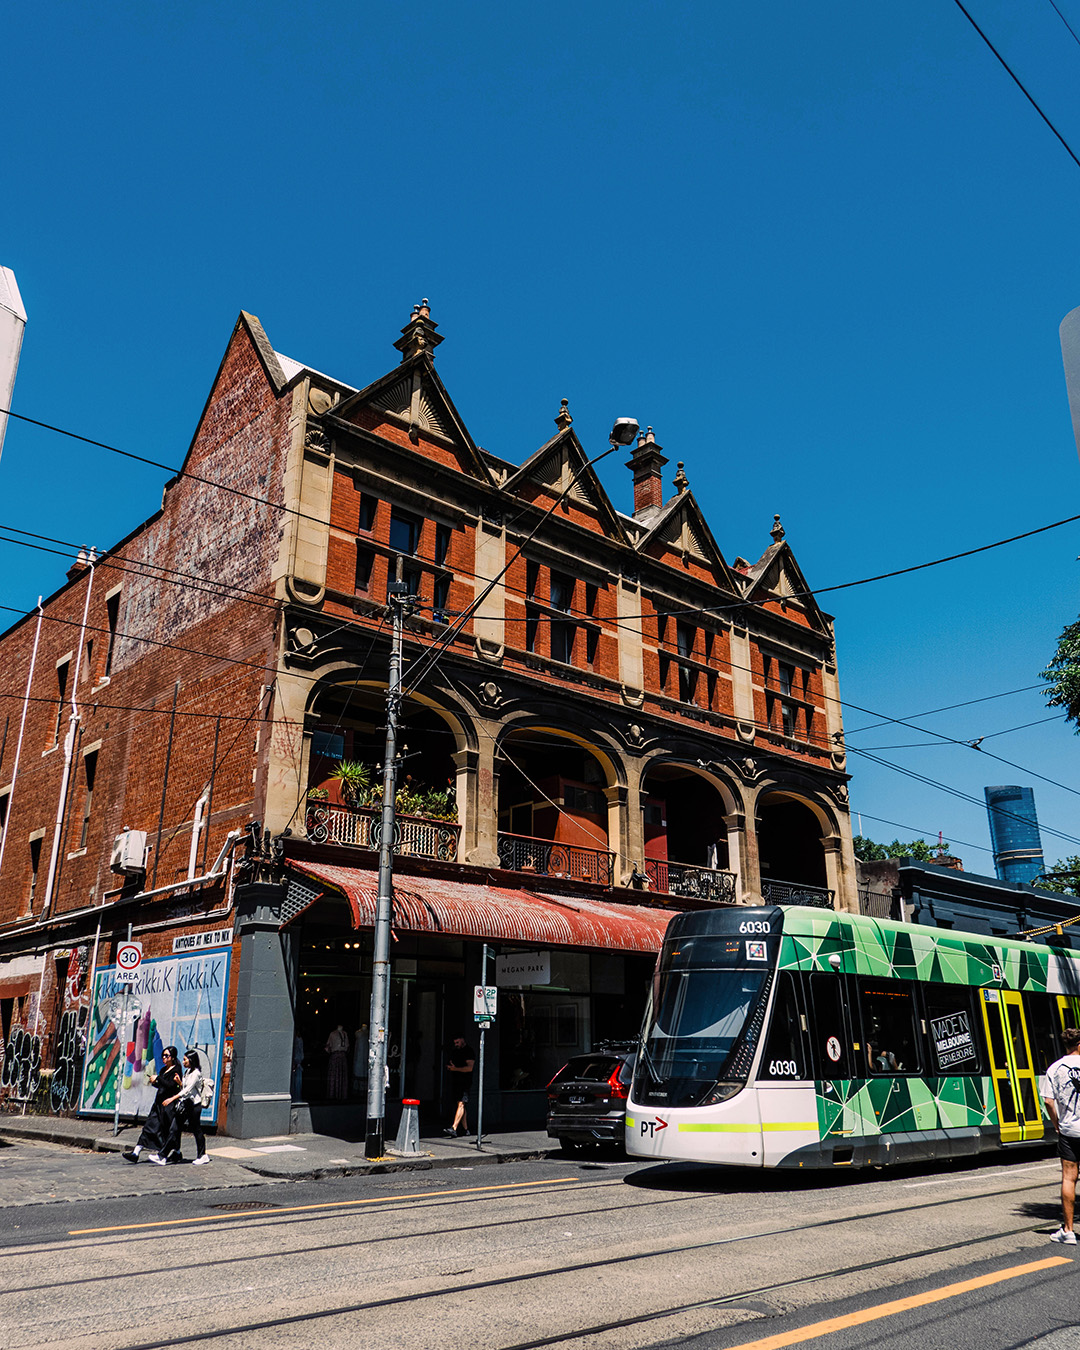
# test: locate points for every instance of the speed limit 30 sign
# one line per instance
(129, 957)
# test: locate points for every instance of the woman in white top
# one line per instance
(187, 1114)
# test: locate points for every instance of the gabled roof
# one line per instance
(681, 525)
(562, 466)
(414, 393)
(777, 576)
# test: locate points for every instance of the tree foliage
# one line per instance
(1062, 675)
(1064, 876)
(867, 851)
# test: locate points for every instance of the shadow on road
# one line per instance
(714, 1179)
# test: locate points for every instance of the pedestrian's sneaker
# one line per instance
(1069, 1238)
(129, 1155)
(450, 1132)
(155, 1158)
(202, 1158)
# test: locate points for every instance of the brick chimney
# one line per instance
(647, 463)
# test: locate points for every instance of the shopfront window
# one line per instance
(544, 1026)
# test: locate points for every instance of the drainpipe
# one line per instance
(22, 728)
(74, 719)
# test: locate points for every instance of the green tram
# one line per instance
(794, 1037)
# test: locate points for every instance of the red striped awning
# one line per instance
(493, 914)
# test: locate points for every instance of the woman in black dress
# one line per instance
(158, 1126)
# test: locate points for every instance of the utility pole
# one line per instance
(398, 601)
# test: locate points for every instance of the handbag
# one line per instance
(206, 1092)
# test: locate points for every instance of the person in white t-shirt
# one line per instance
(1060, 1089)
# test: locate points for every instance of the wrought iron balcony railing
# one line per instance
(414, 836)
(795, 893)
(547, 857)
(697, 883)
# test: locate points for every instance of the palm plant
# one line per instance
(354, 779)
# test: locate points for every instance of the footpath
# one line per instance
(34, 1171)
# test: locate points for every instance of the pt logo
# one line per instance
(653, 1127)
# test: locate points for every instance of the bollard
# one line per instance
(408, 1135)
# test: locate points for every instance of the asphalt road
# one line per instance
(557, 1252)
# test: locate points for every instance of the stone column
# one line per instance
(260, 1097)
(750, 873)
(290, 750)
(483, 793)
(618, 833)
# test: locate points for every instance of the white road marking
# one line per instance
(1013, 1172)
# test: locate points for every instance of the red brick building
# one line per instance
(605, 721)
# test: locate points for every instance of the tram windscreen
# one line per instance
(702, 998)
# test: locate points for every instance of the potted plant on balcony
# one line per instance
(354, 781)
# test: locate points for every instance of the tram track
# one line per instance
(757, 1292)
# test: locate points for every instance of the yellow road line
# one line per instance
(301, 1209)
(899, 1305)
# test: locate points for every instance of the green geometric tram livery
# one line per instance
(791, 1037)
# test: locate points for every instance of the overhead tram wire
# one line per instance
(957, 792)
(314, 679)
(897, 825)
(109, 559)
(190, 582)
(434, 651)
(671, 613)
(1016, 80)
(1064, 20)
(975, 745)
(950, 707)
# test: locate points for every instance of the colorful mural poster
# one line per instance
(181, 1002)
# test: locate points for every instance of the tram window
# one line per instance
(1043, 1028)
(785, 1047)
(890, 1041)
(952, 1021)
(832, 1044)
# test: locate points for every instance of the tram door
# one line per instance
(1019, 1113)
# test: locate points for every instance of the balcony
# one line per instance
(361, 827)
(796, 893)
(693, 883)
(548, 857)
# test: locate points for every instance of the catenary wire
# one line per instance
(955, 792)
(1016, 80)
(694, 609)
(433, 652)
(1064, 20)
(316, 679)
(975, 745)
(949, 707)
(921, 834)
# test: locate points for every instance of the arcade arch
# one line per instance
(792, 834)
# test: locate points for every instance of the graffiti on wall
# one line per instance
(41, 1073)
(174, 1000)
(22, 1063)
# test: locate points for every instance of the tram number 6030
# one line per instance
(783, 1068)
(755, 926)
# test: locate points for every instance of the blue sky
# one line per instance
(823, 250)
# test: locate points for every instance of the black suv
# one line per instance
(587, 1097)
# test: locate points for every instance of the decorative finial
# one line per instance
(418, 335)
(681, 481)
(777, 530)
(562, 417)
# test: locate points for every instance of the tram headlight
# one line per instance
(721, 1092)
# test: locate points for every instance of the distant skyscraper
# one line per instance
(12, 323)
(1014, 833)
